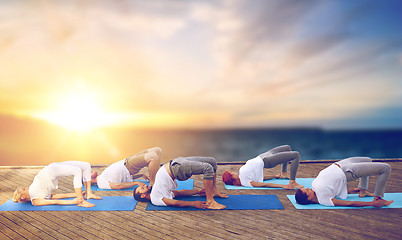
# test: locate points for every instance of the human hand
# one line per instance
(139, 184)
(200, 204)
(202, 192)
(77, 200)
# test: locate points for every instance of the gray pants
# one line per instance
(282, 155)
(183, 168)
(363, 167)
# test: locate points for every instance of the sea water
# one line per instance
(243, 144)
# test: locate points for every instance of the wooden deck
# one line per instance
(230, 224)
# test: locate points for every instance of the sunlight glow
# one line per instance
(79, 111)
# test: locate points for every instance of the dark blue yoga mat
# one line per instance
(233, 202)
(182, 185)
(108, 203)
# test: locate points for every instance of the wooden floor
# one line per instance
(230, 224)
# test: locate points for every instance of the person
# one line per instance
(162, 193)
(331, 183)
(251, 174)
(120, 175)
(39, 193)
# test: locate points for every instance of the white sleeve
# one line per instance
(324, 196)
(156, 198)
(102, 182)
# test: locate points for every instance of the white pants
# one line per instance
(80, 170)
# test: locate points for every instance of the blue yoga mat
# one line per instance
(233, 202)
(397, 197)
(108, 203)
(182, 185)
(306, 182)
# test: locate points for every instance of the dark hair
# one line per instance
(137, 196)
(302, 198)
(227, 178)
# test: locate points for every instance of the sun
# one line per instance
(79, 111)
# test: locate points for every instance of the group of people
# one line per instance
(329, 188)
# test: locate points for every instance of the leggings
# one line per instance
(80, 170)
(363, 167)
(282, 155)
(182, 168)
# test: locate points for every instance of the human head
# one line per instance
(302, 196)
(231, 178)
(94, 177)
(21, 195)
(142, 194)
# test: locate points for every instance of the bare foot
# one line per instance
(365, 193)
(93, 196)
(215, 205)
(295, 185)
(354, 190)
(282, 176)
(85, 204)
(221, 195)
(379, 202)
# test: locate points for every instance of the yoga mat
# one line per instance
(108, 203)
(397, 197)
(306, 182)
(182, 185)
(233, 202)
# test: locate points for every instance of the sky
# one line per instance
(202, 64)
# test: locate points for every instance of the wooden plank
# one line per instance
(128, 224)
(229, 224)
(81, 224)
(21, 227)
(59, 229)
(6, 230)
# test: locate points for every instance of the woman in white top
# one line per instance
(252, 173)
(40, 191)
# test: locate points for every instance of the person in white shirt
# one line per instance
(182, 168)
(252, 173)
(39, 193)
(330, 186)
(121, 175)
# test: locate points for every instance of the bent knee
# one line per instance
(209, 172)
(158, 150)
(151, 156)
(387, 168)
(296, 154)
(87, 166)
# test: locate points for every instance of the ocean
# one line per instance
(39, 144)
(243, 144)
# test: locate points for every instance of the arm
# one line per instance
(338, 202)
(140, 175)
(124, 185)
(43, 202)
(180, 203)
(268, 177)
(269, 185)
(354, 190)
(63, 195)
(184, 193)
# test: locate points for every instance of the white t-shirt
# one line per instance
(115, 173)
(330, 182)
(253, 170)
(163, 187)
(42, 185)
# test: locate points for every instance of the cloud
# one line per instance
(244, 62)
